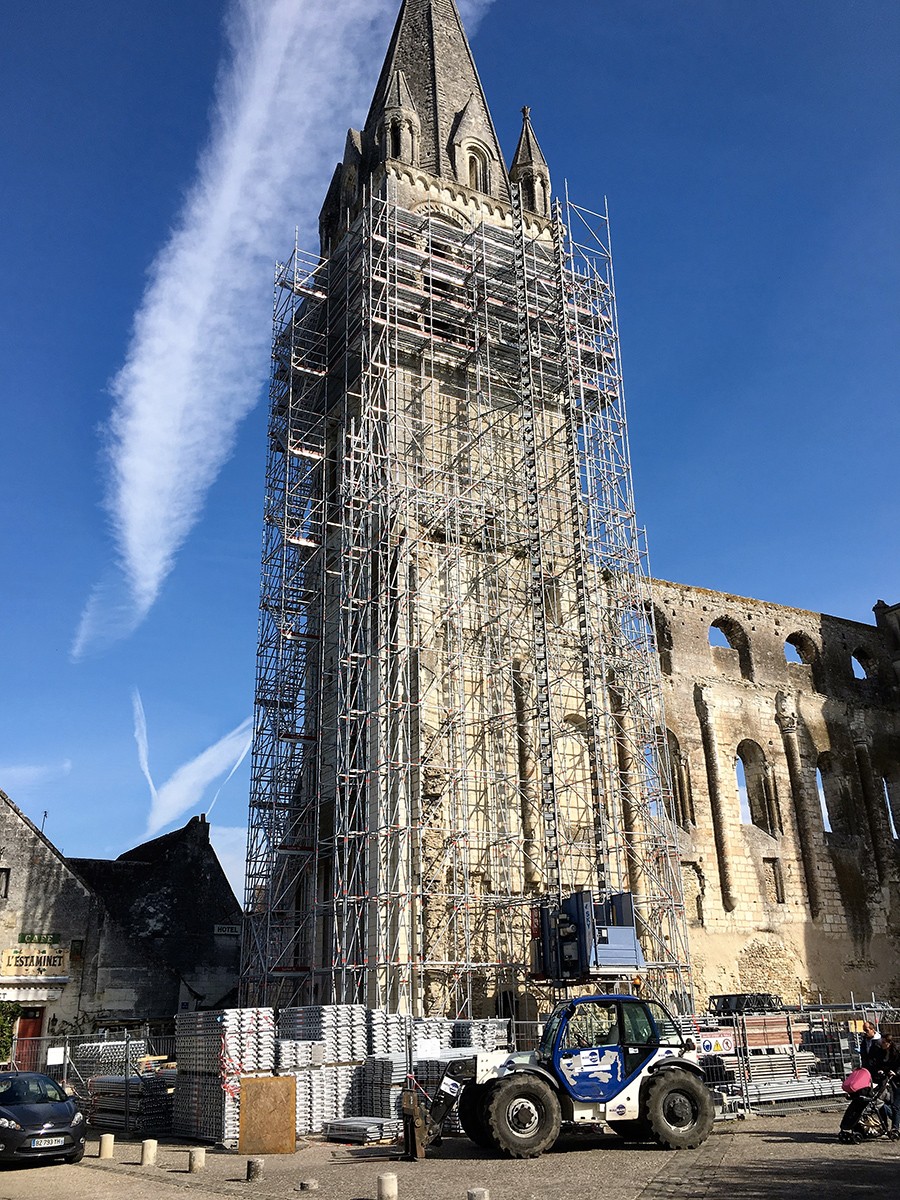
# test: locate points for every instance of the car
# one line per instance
(38, 1120)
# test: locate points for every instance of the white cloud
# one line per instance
(140, 736)
(24, 777)
(185, 788)
(230, 844)
(297, 73)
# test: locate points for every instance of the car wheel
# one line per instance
(472, 1115)
(679, 1111)
(522, 1115)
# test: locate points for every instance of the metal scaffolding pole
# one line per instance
(458, 700)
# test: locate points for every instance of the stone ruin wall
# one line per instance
(775, 901)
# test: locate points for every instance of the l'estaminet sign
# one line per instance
(34, 960)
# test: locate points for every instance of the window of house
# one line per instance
(76, 949)
(4, 883)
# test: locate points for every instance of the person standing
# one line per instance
(870, 1051)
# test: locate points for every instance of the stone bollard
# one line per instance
(254, 1168)
(197, 1160)
(478, 1194)
(148, 1152)
(107, 1143)
(387, 1187)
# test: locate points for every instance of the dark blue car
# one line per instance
(38, 1120)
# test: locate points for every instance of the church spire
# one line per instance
(529, 169)
(429, 64)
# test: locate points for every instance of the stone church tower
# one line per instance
(459, 718)
(458, 715)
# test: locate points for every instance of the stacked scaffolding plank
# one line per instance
(458, 700)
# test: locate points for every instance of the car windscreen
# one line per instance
(29, 1089)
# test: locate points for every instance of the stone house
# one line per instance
(87, 943)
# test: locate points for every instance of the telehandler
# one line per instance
(615, 1059)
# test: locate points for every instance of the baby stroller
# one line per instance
(865, 1116)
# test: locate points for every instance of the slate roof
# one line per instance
(430, 47)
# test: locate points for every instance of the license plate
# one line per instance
(46, 1143)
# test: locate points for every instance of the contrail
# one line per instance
(143, 745)
(296, 74)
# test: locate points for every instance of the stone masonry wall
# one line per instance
(777, 901)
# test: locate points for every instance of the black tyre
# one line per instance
(523, 1116)
(473, 1117)
(679, 1110)
(631, 1131)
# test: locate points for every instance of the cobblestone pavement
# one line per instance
(795, 1155)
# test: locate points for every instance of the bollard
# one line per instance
(308, 1185)
(387, 1187)
(478, 1194)
(254, 1168)
(107, 1143)
(148, 1152)
(197, 1160)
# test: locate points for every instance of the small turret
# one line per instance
(400, 130)
(529, 169)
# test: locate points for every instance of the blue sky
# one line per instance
(750, 156)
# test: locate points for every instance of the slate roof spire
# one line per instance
(429, 68)
(529, 169)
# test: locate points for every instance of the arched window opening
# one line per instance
(890, 810)
(478, 173)
(528, 198)
(798, 648)
(682, 798)
(756, 789)
(823, 802)
(862, 664)
(726, 633)
(396, 140)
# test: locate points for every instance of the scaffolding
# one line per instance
(458, 707)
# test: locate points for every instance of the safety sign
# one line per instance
(717, 1045)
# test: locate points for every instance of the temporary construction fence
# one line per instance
(351, 1064)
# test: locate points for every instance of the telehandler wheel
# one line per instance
(523, 1115)
(631, 1131)
(679, 1110)
(472, 1115)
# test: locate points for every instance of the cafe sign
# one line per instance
(34, 961)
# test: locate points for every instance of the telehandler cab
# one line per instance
(614, 1059)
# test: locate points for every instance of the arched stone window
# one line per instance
(892, 823)
(800, 648)
(479, 179)
(726, 633)
(756, 786)
(862, 664)
(682, 797)
(835, 800)
(396, 141)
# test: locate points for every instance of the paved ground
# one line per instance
(795, 1156)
